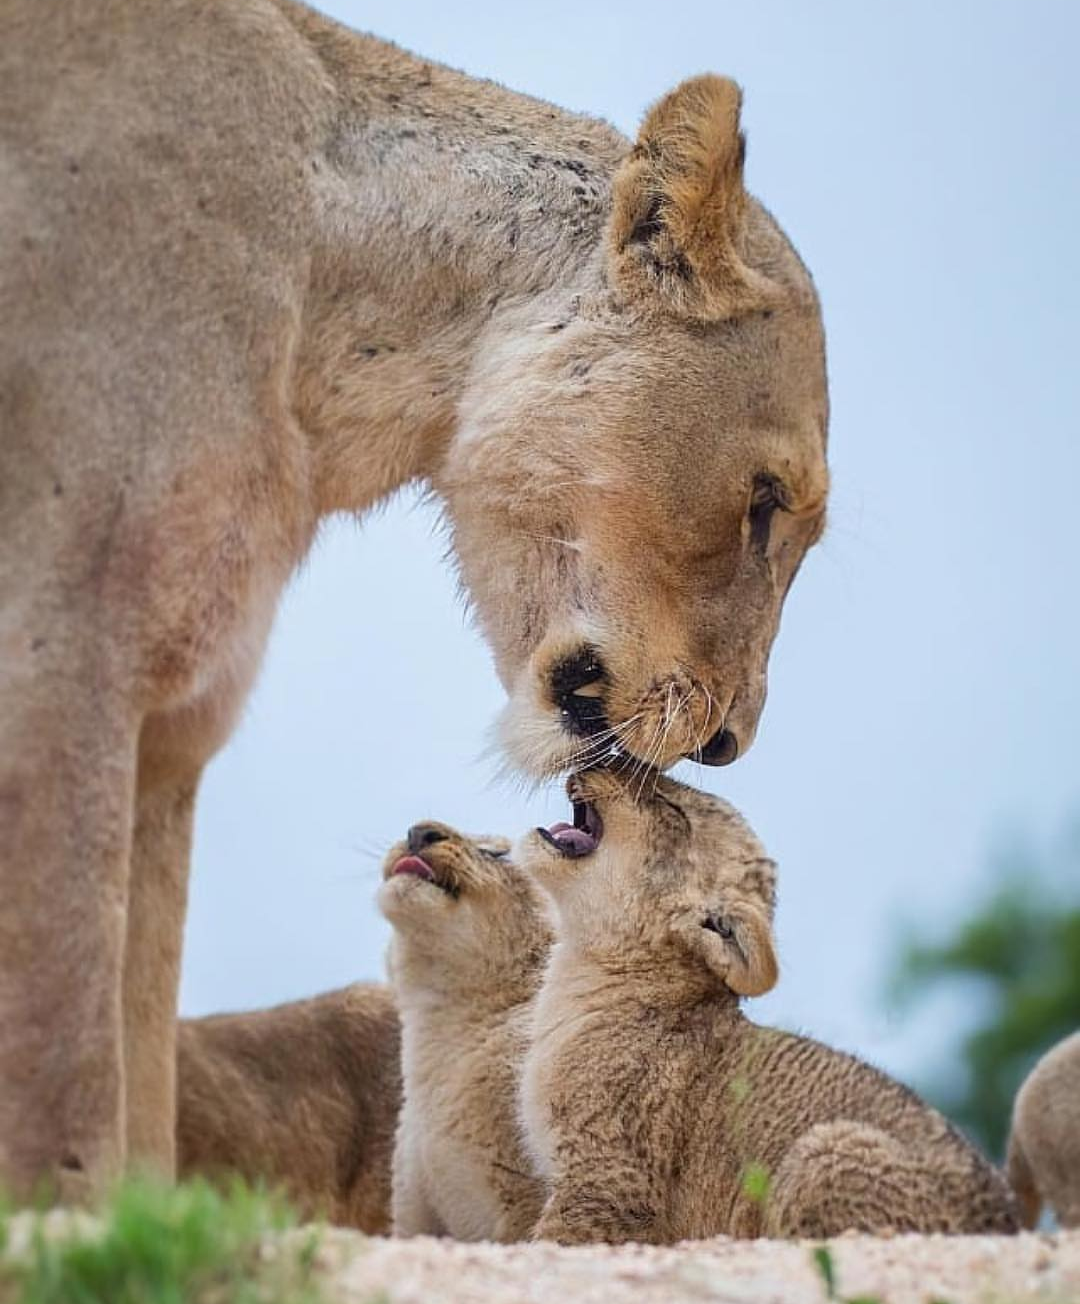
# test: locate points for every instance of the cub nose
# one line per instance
(721, 749)
(423, 835)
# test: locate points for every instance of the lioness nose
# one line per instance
(721, 749)
(423, 835)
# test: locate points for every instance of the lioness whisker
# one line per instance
(706, 732)
(655, 748)
(684, 704)
(671, 716)
(571, 544)
(606, 740)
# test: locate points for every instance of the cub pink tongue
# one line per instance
(577, 842)
(415, 866)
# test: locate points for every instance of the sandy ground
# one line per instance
(356, 1269)
(901, 1270)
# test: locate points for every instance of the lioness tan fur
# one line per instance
(655, 1109)
(256, 269)
(1043, 1159)
(304, 1097)
(470, 938)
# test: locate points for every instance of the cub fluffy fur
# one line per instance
(470, 937)
(654, 1108)
(343, 269)
(1043, 1160)
(304, 1096)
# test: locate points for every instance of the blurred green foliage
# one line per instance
(189, 1244)
(1020, 947)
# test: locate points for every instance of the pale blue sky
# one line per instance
(925, 699)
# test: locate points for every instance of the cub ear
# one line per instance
(738, 947)
(678, 207)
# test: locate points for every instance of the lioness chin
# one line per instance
(256, 269)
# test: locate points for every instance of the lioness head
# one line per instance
(461, 908)
(640, 463)
(661, 876)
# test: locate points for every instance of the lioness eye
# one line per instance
(767, 495)
(716, 924)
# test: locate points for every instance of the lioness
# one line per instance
(304, 1096)
(255, 269)
(656, 1110)
(470, 938)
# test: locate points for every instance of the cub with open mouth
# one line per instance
(656, 1111)
(470, 939)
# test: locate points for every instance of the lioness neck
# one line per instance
(444, 207)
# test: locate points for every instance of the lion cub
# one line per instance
(1044, 1144)
(654, 1108)
(470, 939)
(304, 1096)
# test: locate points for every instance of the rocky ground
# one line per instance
(900, 1270)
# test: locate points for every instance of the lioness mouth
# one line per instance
(578, 685)
(580, 838)
(419, 868)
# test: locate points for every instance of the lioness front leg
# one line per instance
(67, 778)
(155, 926)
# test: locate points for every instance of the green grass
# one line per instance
(756, 1183)
(189, 1244)
(823, 1261)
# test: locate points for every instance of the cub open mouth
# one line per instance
(580, 838)
(413, 865)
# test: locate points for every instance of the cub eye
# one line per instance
(716, 924)
(767, 495)
(492, 854)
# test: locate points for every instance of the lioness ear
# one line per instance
(740, 949)
(678, 207)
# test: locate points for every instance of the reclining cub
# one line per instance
(654, 1108)
(470, 940)
(303, 1096)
